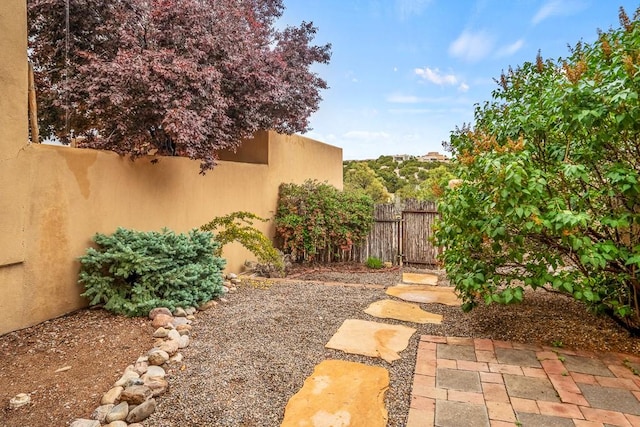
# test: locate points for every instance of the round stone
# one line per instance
(183, 342)
(162, 320)
(160, 333)
(155, 371)
(179, 312)
(159, 310)
(157, 357)
(19, 400)
(111, 396)
(207, 305)
(173, 335)
(118, 412)
(100, 413)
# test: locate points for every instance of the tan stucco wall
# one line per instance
(54, 199)
(74, 193)
(13, 124)
(13, 136)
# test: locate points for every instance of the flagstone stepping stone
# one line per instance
(419, 278)
(371, 339)
(340, 394)
(425, 294)
(405, 311)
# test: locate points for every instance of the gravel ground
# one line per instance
(251, 354)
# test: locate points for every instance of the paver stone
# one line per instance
(340, 394)
(460, 414)
(371, 339)
(612, 399)
(454, 379)
(419, 278)
(586, 365)
(530, 388)
(511, 356)
(456, 352)
(537, 420)
(405, 311)
(426, 294)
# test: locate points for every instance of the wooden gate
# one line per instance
(383, 241)
(400, 234)
(417, 233)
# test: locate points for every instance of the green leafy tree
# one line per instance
(407, 191)
(435, 182)
(360, 177)
(551, 182)
(408, 170)
(386, 161)
(423, 174)
(391, 180)
(404, 180)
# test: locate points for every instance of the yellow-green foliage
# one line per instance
(238, 227)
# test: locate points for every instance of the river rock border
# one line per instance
(133, 397)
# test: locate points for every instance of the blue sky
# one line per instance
(405, 73)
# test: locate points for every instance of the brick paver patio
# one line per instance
(464, 382)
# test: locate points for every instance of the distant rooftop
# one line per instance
(431, 156)
(434, 156)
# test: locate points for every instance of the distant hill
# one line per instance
(404, 176)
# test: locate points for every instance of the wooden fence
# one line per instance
(400, 235)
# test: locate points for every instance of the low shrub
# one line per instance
(132, 272)
(238, 227)
(373, 262)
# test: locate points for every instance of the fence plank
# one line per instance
(382, 241)
(399, 230)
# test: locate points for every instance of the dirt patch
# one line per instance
(96, 345)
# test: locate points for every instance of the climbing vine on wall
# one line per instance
(315, 221)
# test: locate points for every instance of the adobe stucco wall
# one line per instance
(54, 199)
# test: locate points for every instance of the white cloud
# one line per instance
(471, 46)
(366, 135)
(409, 8)
(327, 138)
(463, 87)
(557, 8)
(436, 77)
(510, 49)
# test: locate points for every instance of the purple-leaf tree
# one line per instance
(171, 77)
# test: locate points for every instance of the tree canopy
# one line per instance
(171, 77)
(362, 178)
(431, 184)
(551, 182)
(408, 179)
